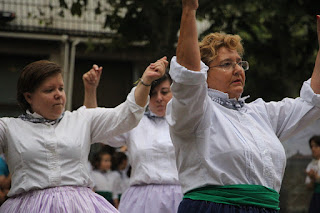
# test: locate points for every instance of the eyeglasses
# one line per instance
(229, 66)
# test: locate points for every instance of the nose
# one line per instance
(58, 94)
(158, 97)
(237, 69)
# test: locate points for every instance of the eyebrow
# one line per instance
(228, 59)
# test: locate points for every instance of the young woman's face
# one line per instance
(159, 98)
(315, 149)
(49, 99)
(105, 163)
(227, 81)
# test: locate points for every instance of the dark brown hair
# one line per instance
(117, 159)
(165, 77)
(316, 139)
(31, 78)
(96, 160)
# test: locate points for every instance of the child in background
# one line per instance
(121, 183)
(102, 176)
(313, 174)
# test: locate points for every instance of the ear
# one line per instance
(28, 97)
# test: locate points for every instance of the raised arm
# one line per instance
(188, 52)
(153, 72)
(91, 81)
(315, 79)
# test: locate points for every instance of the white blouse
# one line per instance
(314, 165)
(41, 155)
(120, 184)
(103, 181)
(217, 145)
(150, 152)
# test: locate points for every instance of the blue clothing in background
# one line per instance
(3, 167)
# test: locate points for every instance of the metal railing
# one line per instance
(47, 16)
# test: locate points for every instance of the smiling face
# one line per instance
(49, 99)
(159, 98)
(231, 82)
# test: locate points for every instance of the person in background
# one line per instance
(5, 180)
(47, 148)
(154, 184)
(101, 175)
(313, 174)
(121, 180)
(229, 153)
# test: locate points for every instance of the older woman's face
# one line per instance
(231, 82)
(49, 99)
(159, 98)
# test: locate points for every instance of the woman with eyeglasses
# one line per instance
(229, 153)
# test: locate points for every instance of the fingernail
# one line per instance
(318, 16)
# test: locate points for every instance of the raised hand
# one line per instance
(91, 78)
(155, 70)
(91, 81)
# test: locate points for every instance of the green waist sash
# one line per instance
(239, 195)
(317, 188)
(107, 195)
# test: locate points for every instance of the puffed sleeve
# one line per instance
(289, 116)
(110, 122)
(188, 104)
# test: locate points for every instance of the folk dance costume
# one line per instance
(315, 200)
(154, 185)
(229, 152)
(121, 183)
(104, 184)
(48, 161)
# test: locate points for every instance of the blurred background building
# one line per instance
(31, 30)
(61, 31)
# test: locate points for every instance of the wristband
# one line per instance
(144, 84)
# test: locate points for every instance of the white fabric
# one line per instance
(103, 181)
(314, 165)
(150, 152)
(216, 145)
(43, 155)
(151, 199)
(120, 184)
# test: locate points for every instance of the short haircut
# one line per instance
(165, 77)
(316, 139)
(211, 43)
(32, 76)
(96, 160)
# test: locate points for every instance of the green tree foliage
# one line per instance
(279, 37)
(154, 23)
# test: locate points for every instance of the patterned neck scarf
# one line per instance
(229, 103)
(36, 118)
(223, 99)
(151, 115)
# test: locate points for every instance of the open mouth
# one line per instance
(237, 81)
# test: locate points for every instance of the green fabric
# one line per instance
(107, 195)
(239, 195)
(317, 188)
